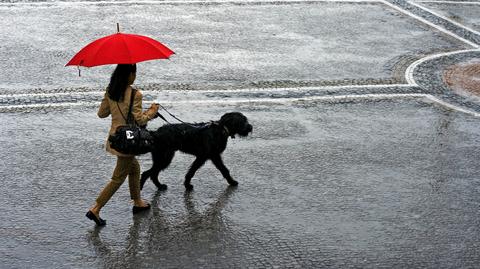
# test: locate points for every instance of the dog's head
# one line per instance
(236, 123)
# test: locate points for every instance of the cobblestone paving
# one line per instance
(17, 102)
(462, 12)
(429, 76)
(468, 35)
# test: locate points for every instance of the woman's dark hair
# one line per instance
(119, 81)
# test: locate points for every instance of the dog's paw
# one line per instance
(233, 183)
(188, 187)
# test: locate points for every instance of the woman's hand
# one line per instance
(155, 106)
(153, 110)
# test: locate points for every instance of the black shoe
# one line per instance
(98, 221)
(138, 209)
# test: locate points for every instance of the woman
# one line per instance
(116, 103)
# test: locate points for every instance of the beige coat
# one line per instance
(110, 107)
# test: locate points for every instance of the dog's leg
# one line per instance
(144, 177)
(154, 178)
(217, 161)
(199, 161)
(161, 161)
(146, 174)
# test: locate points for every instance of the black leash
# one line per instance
(197, 126)
(162, 117)
(175, 117)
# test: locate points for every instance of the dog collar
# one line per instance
(226, 130)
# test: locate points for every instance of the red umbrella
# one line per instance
(120, 48)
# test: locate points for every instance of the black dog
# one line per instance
(206, 141)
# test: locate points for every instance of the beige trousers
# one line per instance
(126, 166)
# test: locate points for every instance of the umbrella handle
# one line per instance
(118, 27)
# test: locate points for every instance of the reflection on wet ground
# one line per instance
(154, 234)
(371, 183)
(325, 180)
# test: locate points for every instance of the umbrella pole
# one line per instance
(118, 27)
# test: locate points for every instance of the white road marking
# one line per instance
(297, 89)
(445, 18)
(186, 2)
(449, 2)
(262, 100)
(410, 70)
(452, 107)
(408, 73)
(244, 90)
(441, 29)
(296, 99)
(26, 95)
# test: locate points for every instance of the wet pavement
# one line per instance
(361, 155)
(216, 44)
(463, 13)
(341, 184)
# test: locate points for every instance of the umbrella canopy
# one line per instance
(120, 48)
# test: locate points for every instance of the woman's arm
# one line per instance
(104, 110)
(142, 117)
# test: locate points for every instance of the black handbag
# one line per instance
(131, 139)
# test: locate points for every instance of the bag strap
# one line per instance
(129, 120)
